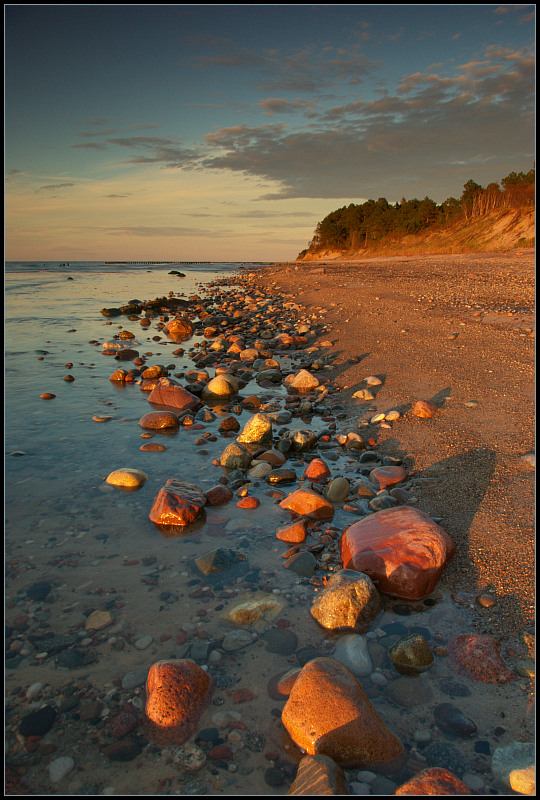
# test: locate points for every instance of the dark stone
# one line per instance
(38, 723)
(274, 777)
(482, 747)
(39, 591)
(451, 719)
(280, 640)
(125, 750)
(442, 754)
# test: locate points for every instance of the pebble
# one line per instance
(144, 642)
(60, 767)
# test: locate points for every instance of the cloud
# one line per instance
(164, 230)
(412, 137)
(277, 105)
(54, 186)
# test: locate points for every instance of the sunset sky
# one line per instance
(226, 132)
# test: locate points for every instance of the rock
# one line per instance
(303, 440)
(478, 655)
(177, 504)
(349, 600)
(372, 380)
(283, 475)
(39, 591)
(294, 533)
(156, 420)
(60, 767)
(364, 394)
(272, 457)
(259, 471)
(218, 495)
(190, 757)
(451, 719)
(411, 655)
(319, 775)
(303, 381)
(221, 561)
(168, 392)
(303, 564)
(329, 714)
(236, 640)
(134, 678)
(337, 490)
(126, 478)
(179, 329)
(280, 640)
(433, 781)
(257, 430)
(177, 692)
(445, 755)
(306, 503)
(228, 424)
(514, 765)
(382, 477)
(352, 650)
(424, 409)
(98, 620)
(38, 723)
(152, 447)
(317, 470)
(219, 387)
(409, 692)
(401, 548)
(259, 606)
(235, 456)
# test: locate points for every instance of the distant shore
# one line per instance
(457, 329)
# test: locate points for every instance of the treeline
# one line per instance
(355, 227)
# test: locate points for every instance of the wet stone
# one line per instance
(411, 655)
(281, 641)
(445, 755)
(451, 719)
(38, 723)
(409, 692)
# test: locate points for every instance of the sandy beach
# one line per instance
(457, 330)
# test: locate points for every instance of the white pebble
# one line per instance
(378, 679)
(60, 767)
(33, 691)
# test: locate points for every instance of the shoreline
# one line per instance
(159, 607)
(436, 327)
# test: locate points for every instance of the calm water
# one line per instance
(97, 547)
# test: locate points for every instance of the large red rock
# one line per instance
(401, 548)
(328, 713)
(308, 504)
(177, 504)
(435, 780)
(177, 692)
(168, 392)
(478, 657)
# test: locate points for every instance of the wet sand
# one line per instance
(458, 330)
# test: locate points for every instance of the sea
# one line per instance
(75, 545)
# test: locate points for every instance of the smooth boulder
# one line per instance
(328, 713)
(401, 548)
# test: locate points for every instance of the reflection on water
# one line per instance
(97, 548)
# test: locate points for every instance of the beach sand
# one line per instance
(457, 330)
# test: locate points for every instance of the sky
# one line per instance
(227, 132)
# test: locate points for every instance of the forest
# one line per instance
(359, 226)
